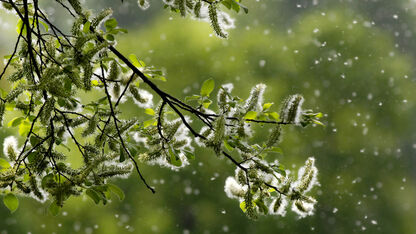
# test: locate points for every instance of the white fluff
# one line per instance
(233, 189)
(146, 95)
(9, 141)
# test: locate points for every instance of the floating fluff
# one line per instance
(291, 111)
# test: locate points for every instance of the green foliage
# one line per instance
(50, 114)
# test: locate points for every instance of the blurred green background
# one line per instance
(353, 60)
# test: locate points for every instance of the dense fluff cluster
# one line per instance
(266, 188)
(51, 68)
(209, 11)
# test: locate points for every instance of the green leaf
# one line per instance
(19, 27)
(243, 206)
(54, 209)
(93, 195)
(11, 202)
(207, 87)
(133, 59)
(318, 122)
(149, 111)
(149, 122)
(228, 146)
(24, 128)
(86, 28)
(34, 140)
(251, 115)
(267, 106)
(110, 24)
(192, 98)
(4, 164)
(189, 154)
(242, 6)
(15, 121)
(174, 158)
(110, 37)
(206, 103)
(275, 150)
(275, 116)
(115, 189)
(32, 157)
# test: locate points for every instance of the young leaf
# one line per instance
(149, 111)
(93, 195)
(189, 154)
(267, 106)
(133, 59)
(275, 116)
(174, 158)
(251, 115)
(207, 87)
(86, 27)
(15, 121)
(115, 189)
(110, 24)
(243, 206)
(24, 128)
(11, 202)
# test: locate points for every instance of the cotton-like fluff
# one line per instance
(147, 97)
(183, 135)
(278, 206)
(143, 4)
(302, 208)
(115, 91)
(292, 109)
(233, 189)
(163, 162)
(307, 176)
(205, 131)
(10, 142)
(226, 22)
(255, 100)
